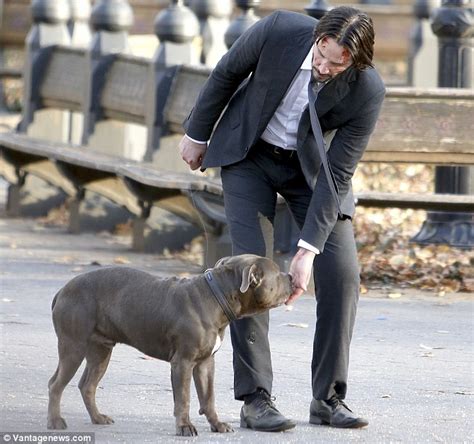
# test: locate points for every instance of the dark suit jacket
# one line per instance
(252, 79)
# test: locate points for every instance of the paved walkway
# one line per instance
(411, 365)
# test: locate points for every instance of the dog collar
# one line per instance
(219, 296)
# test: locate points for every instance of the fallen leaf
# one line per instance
(121, 260)
(468, 285)
(450, 285)
(124, 229)
(394, 295)
(425, 253)
(397, 260)
(427, 355)
(296, 325)
(64, 260)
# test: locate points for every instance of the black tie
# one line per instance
(318, 135)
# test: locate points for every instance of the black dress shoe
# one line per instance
(262, 415)
(334, 412)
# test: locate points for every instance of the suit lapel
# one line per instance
(283, 73)
(290, 62)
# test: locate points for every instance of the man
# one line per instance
(265, 144)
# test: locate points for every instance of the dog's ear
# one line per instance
(221, 261)
(251, 276)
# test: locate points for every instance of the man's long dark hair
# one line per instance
(352, 29)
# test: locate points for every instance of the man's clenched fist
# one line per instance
(192, 152)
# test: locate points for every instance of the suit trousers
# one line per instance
(250, 196)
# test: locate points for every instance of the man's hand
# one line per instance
(192, 152)
(300, 271)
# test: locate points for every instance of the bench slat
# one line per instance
(421, 157)
(424, 124)
(148, 175)
(10, 73)
(447, 202)
(76, 155)
(66, 68)
(124, 96)
(185, 89)
(87, 158)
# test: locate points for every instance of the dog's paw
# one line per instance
(222, 427)
(186, 430)
(102, 419)
(57, 424)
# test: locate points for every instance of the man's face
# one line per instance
(329, 59)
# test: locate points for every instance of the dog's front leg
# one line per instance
(181, 371)
(203, 374)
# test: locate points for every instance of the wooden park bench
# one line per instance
(134, 185)
(415, 127)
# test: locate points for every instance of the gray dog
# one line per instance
(181, 321)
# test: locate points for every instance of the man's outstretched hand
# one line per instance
(300, 272)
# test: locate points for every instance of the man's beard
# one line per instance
(317, 77)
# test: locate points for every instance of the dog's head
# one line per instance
(261, 283)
